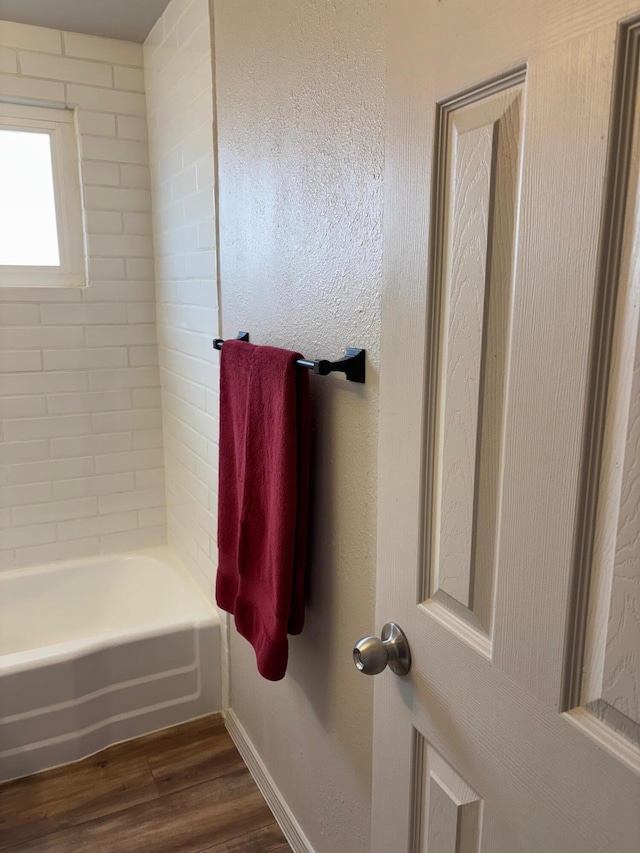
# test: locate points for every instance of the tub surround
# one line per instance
(81, 416)
(81, 460)
(180, 98)
(97, 651)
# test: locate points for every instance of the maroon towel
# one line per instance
(263, 497)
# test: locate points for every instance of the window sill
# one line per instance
(36, 277)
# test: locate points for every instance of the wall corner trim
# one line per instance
(263, 779)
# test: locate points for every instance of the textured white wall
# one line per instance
(300, 92)
(81, 466)
(179, 82)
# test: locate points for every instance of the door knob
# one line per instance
(371, 655)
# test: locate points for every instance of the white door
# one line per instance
(509, 519)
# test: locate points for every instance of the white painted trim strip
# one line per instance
(263, 779)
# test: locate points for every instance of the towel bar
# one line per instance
(352, 365)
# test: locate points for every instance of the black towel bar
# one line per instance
(352, 365)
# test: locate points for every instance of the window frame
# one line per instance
(60, 125)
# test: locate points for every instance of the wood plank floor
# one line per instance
(181, 790)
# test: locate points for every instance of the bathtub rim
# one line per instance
(69, 649)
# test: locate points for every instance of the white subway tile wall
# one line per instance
(179, 81)
(81, 462)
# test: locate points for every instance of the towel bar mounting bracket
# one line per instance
(352, 365)
(241, 336)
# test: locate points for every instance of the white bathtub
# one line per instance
(100, 650)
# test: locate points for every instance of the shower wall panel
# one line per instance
(81, 459)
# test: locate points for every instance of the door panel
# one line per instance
(450, 811)
(497, 184)
(611, 688)
(476, 185)
(566, 130)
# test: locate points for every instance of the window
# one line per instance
(41, 233)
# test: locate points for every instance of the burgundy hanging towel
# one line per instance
(263, 497)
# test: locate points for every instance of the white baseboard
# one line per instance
(263, 779)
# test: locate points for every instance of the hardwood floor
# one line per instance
(181, 790)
